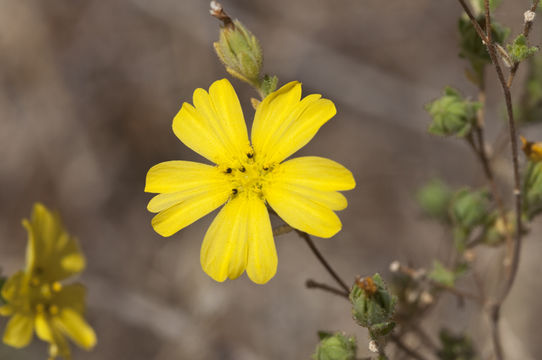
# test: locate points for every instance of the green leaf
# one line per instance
(455, 347)
(268, 84)
(519, 50)
(434, 199)
(336, 347)
(452, 114)
(442, 275)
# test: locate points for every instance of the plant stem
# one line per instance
(311, 284)
(323, 261)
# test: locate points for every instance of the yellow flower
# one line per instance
(532, 150)
(302, 191)
(36, 300)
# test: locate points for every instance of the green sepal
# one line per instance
(268, 84)
(335, 347)
(452, 114)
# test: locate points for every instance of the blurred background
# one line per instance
(88, 90)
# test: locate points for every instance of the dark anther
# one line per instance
(234, 191)
(250, 155)
(242, 169)
(265, 168)
(228, 171)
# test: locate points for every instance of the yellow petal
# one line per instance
(74, 326)
(283, 123)
(262, 255)
(271, 114)
(240, 237)
(196, 184)
(302, 213)
(173, 219)
(18, 331)
(317, 173)
(331, 199)
(43, 329)
(52, 254)
(224, 249)
(16, 289)
(175, 176)
(6, 310)
(214, 127)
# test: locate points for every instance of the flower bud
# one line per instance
(452, 114)
(336, 347)
(240, 52)
(373, 305)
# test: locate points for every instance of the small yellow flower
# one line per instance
(532, 150)
(37, 300)
(302, 191)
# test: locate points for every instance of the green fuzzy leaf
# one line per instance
(336, 347)
(434, 199)
(268, 84)
(519, 50)
(442, 275)
(452, 114)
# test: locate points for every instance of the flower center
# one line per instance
(248, 176)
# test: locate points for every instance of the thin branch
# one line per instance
(401, 345)
(473, 20)
(311, 284)
(323, 261)
(526, 30)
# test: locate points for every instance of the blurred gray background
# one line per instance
(88, 90)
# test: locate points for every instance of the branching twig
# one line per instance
(322, 260)
(311, 284)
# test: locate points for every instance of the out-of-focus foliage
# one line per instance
(335, 347)
(532, 190)
(529, 108)
(469, 209)
(455, 347)
(434, 199)
(452, 114)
